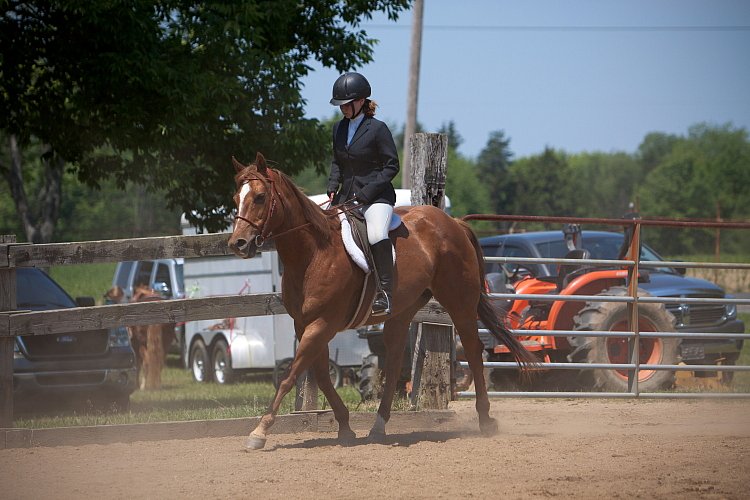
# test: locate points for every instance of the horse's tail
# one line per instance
(495, 324)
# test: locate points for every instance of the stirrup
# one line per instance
(378, 309)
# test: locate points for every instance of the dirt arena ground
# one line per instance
(545, 448)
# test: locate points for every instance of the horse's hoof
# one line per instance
(347, 437)
(254, 443)
(488, 427)
(376, 437)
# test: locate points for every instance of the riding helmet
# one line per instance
(349, 87)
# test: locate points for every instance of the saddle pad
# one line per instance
(351, 247)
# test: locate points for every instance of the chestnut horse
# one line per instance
(436, 256)
(150, 343)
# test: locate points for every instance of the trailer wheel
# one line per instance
(221, 362)
(370, 378)
(281, 370)
(613, 316)
(334, 371)
(199, 362)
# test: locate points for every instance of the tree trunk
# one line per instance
(48, 200)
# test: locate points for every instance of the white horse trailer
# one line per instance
(218, 349)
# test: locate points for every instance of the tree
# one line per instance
(708, 169)
(164, 93)
(454, 138)
(493, 164)
(541, 185)
(603, 184)
(467, 192)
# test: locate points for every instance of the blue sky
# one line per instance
(526, 68)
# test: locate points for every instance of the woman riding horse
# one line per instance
(364, 164)
(436, 256)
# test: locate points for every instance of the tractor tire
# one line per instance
(613, 316)
(370, 378)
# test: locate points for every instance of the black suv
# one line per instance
(97, 365)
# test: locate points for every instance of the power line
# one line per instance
(445, 27)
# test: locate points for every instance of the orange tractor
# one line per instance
(598, 313)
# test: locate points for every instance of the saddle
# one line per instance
(354, 235)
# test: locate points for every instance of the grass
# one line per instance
(181, 399)
(85, 280)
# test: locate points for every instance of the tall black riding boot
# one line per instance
(383, 256)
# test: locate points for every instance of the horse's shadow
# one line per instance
(406, 439)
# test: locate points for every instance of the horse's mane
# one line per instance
(321, 220)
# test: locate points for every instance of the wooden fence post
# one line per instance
(306, 398)
(431, 366)
(7, 303)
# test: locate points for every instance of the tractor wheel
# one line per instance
(613, 316)
(370, 378)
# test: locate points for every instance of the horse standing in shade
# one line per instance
(436, 256)
(150, 343)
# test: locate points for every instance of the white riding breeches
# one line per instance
(378, 217)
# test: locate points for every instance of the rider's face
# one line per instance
(352, 108)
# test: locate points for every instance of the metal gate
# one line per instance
(634, 336)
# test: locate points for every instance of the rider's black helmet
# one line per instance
(349, 87)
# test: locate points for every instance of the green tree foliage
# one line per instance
(493, 164)
(541, 185)
(706, 172)
(467, 192)
(163, 93)
(604, 182)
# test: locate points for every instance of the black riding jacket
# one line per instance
(366, 167)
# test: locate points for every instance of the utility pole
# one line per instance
(412, 97)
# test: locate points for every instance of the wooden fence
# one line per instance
(15, 322)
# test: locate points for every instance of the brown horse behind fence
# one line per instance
(150, 342)
(436, 256)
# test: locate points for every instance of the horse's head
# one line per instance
(256, 201)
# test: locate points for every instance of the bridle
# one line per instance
(264, 231)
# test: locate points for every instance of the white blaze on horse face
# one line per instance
(244, 191)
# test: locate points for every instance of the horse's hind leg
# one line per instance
(395, 333)
(320, 369)
(468, 332)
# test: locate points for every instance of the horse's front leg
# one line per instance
(323, 378)
(311, 344)
(395, 332)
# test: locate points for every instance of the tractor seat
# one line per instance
(566, 269)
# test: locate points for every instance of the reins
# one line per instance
(262, 235)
